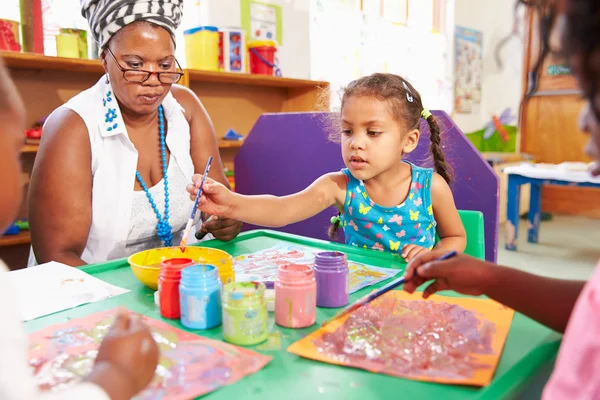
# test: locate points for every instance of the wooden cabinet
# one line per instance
(232, 101)
(549, 128)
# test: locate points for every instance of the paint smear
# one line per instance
(450, 340)
(189, 365)
(273, 342)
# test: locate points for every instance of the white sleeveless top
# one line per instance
(123, 222)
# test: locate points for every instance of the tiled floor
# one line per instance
(569, 248)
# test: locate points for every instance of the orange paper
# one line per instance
(442, 339)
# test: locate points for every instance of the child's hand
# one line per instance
(410, 251)
(129, 349)
(461, 273)
(216, 199)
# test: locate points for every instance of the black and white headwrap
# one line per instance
(106, 17)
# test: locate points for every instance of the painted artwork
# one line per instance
(262, 266)
(442, 339)
(189, 366)
(262, 20)
(469, 67)
(499, 134)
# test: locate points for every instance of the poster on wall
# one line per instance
(262, 20)
(467, 84)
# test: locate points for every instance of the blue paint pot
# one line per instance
(200, 297)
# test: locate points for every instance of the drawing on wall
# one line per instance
(467, 84)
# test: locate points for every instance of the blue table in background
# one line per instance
(535, 204)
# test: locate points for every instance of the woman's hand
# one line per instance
(461, 273)
(222, 228)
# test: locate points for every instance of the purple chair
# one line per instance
(286, 152)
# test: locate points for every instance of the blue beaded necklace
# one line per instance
(163, 227)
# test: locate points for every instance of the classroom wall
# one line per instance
(294, 54)
(501, 88)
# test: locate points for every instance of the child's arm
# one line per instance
(546, 300)
(267, 210)
(449, 225)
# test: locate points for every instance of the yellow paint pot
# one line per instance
(145, 265)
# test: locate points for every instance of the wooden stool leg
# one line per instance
(535, 212)
(512, 213)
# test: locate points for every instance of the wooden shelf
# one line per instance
(41, 62)
(251, 80)
(30, 148)
(36, 61)
(230, 144)
(14, 240)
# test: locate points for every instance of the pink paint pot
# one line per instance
(295, 296)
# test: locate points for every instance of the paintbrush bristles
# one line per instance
(190, 222)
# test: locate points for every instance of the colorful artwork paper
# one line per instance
(441, 339)
(262, 266)
(189, 366)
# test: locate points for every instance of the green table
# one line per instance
(530, 347)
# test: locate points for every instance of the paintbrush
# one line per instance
(372, 296)
(203, 232)
(190, 222)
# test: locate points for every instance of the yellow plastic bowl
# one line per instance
(145, 265)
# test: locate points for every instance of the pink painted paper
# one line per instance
(189, 366)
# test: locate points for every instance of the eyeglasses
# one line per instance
(140, 76)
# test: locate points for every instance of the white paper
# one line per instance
(567, 171)
(53, 287)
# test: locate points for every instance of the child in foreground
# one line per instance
(385, 203)
(128, 355)
(572, 307)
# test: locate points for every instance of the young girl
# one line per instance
(572, 307)
(385, 203)
(128, 355)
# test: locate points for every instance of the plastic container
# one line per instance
(332, 275)
(232, 50)
(262, 57)
(295, 296)
(245, 313)
(202, 48)
(200, 297)
(72, 43)
(168, 286)
(9, 35)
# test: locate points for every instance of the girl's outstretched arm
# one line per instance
(267, 210)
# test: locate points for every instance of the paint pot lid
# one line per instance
(201, 28)
(262, 43)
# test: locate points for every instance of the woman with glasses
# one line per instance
(110, 175)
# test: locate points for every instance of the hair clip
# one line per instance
(335, 219)
(425, 113)
(408, 95)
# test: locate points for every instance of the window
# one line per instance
(404, 37)
(395, 11)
